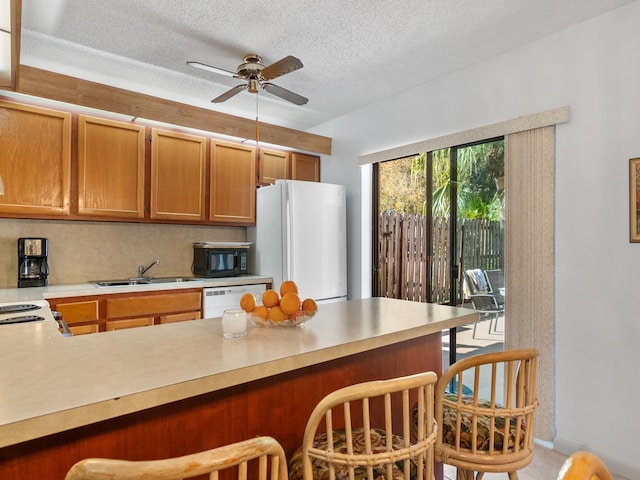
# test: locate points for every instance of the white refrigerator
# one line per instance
(301, 235)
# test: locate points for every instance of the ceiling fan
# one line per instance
(258, 76)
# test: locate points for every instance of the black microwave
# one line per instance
(218, 259)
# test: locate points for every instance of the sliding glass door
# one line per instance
(439, 214)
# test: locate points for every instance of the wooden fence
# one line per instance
(403, 267)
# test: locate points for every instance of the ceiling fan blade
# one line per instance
(209, 68)
(285, 94)
(281, 67)
(229, 93)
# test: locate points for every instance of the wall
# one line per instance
(592, 67)
(83, 251)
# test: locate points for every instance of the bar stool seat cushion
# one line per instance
(378, 444)
(483, 436)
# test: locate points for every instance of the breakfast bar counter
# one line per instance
(177, 388)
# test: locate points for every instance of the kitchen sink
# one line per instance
(172, 279)
(118, 283)
(140, 281)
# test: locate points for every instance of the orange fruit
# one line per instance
(248, 302)
(309, 305)
(290, 303)
(261, 311)
(277, 315)
(288, 286)
(270, 298)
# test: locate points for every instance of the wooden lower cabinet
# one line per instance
(109, 312)
(81, 316)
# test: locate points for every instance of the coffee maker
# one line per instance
(32, 262)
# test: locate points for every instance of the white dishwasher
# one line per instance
(216, 299)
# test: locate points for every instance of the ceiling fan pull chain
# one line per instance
(257, 124)
(257, 129)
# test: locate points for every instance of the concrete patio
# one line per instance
(485, 340)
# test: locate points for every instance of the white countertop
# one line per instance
(82, 289)
(50, 383)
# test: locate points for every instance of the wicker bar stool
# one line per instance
(487, 431)
(364, 431)
(263, 457)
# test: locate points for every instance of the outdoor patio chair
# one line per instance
(495, 277)
(478, 283)
(484, 406)
(487, 306)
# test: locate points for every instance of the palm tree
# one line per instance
(478, 194)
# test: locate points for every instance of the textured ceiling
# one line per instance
(354, 52)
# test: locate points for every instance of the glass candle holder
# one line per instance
(234, 323)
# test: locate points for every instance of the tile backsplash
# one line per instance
(82, 251)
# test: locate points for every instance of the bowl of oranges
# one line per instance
(282, 308)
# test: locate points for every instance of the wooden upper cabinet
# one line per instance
(35, 160)
(233, 184)
(273, 165)
(305, 167)
(110, 168)
(119, 174)
(177, 176)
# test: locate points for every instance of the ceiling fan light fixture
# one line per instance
(253, 85)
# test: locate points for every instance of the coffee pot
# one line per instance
(33, 268)
(30, 268)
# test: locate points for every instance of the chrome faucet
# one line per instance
(142, 269)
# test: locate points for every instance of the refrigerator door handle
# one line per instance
(288, 220)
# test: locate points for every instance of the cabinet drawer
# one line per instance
(129, 323)
(153, 304)
(180, 317)
(78, 312)
(84, 329)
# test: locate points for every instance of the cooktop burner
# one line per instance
(27, 318)
(18, 308)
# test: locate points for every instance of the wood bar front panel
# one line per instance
(278, 406)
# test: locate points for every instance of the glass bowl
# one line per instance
(299, 318)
